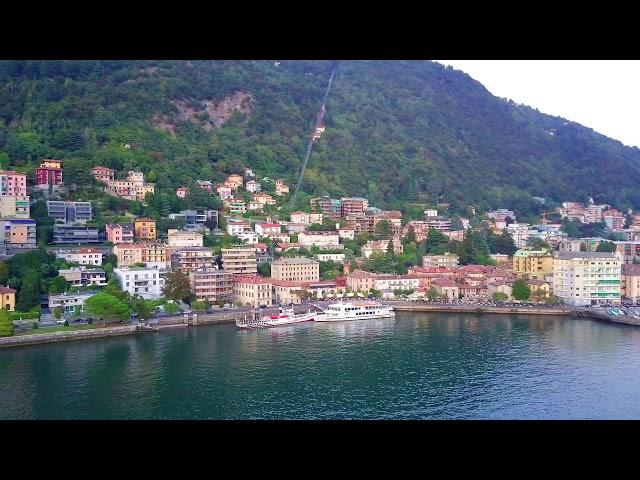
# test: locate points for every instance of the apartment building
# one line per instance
(239, 260)
(13, 184)
(298, 269)
(145, 228)
(143, 281)
(327, 206)
(83, 277)
(103, 174)
(236, 226)
(152, 254)
(211, 285)
(350, 205)
(119, 232)
(69, 302)
(82, 256)
(182, 238)
(320, 239)
(74, 234)
(448, 260)
(630, 285)
(14, 207)
(69, 212)
(251, 290)
(18, 232)
(193, 221)
(188, 259)
(49, 173)
(587, 278)
(533, 264)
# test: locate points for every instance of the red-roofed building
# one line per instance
(182, 192)
(266, 229)
(252, 290)
(103, 174)
(8, 298)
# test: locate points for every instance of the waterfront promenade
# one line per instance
(163, 322)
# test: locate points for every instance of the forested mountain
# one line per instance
(397, 131)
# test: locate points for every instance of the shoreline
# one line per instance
(229, 317)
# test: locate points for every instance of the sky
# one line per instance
(600, 94)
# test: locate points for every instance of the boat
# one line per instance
(337, 312)
(286, 317)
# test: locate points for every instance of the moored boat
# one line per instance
(337, 312)
(287, 317)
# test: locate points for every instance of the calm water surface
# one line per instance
(418, 366)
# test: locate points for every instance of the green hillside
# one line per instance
(397, 131)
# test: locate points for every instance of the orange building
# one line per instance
(145, 229)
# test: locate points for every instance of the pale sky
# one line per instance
(600, 94)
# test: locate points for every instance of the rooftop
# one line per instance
(252, 279)
(7, 290)
(294, 261)
(572, 255)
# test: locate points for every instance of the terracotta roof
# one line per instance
(7, 290)
(252, 279)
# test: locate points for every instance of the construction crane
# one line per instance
(313, 137)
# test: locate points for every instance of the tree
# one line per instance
(264, 269)
(499, 297)
(383, 229)
(57, 312)
(29, 295)
(536, 243)
(4, 273)
(437, 242)
(66, 323)
(144, 308)
(6, 324)
(432, 294)
(171, 307)
(410, 236)
(177, 287)
(605, 246)
(521, 290)
(198, 305)
(58, 285)
(107, 307)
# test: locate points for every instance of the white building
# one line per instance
(253, 186)
(587, 278)
(82, 256)
(334, 257)
(69, 301)
(431, 212)
(521, 232)
(248, 237)
(146, 282)
(321, 239)
(181, 238)
(234, 227)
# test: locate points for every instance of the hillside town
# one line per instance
(251, 252)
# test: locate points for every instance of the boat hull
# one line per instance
(328, 318)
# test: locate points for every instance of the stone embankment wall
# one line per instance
(36, 339)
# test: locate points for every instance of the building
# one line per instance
(188, 259)
(287, 292)
(500, 258)
(251, 290)
(569, 245)
(74, 234)
(348, 233)
(205, 185)
(267, 229)
(441, 224)
(298, 269)
(249, 237)
(82, 277)
(145, 228)
(264, 199)
(281, 188)
(251, 206)
(320, 239)
(306, 218)
(630, 285)
(18, 232)
(82, 256)
(327, 206)
(151, 254)
(182, 238)
(49, 173)
(131, 188)
(193, 221)
(252, 186)
(119, 232)
(143, 281)
(361, 222)
(69, 302)
(13, 184)
(182, 192)
(8, 296)
(393, 282)
(614, 220)
(532, 264)
(448, 260)
(430, 213)
(540, 289)
(211, 285)
(224, 191)
(235, 179)
(239, 260)
(446, 287)
(103, 174)
(628, 250)
(361, 281)
(587, 278)
(69, 212)
(351, 205)
(502, 214)
(14, 207)
(330, 257)
(236, 226)
(521, 233)
(235, 205)
(500, 287)
(381, 246)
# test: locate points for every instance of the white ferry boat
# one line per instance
(287, 317)
(337, 312)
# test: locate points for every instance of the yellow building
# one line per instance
(252, 290)
(145, 229)
(8, 298)
(239, 260)
(533, 264)
(298, 269)
(156, 254)
(540, 289)
(142, 190)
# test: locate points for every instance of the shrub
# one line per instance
(35, 326)
(66, 323)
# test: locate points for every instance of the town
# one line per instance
(61, 264)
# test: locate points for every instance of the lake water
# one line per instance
(417, 366)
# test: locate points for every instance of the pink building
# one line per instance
(12, 184)
(103, 174)
(119, 232)
(182, 192)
